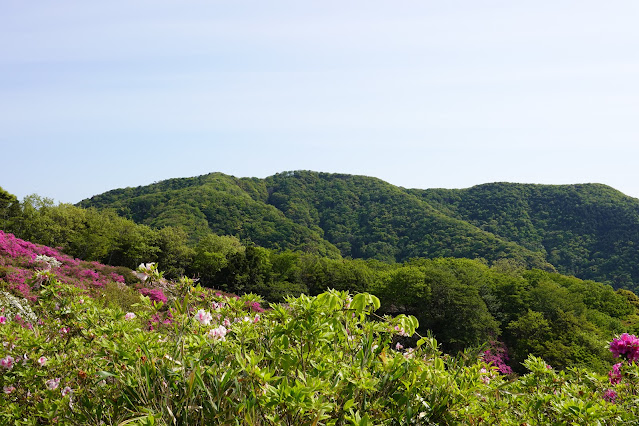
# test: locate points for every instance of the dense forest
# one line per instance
(590, 231)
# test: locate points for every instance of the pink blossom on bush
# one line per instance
(610, 396)
(8, 389)
(129, 316)
(218, 333)
(3, 319)
(7, 362)
(117, 277)
(497, 355)
(155, 294)
(615, 374)
(625, 346)
(254, 306)
(67, 390)
(53, 384)
(42, 360)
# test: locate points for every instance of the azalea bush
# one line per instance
(312, 360)
(172, 352)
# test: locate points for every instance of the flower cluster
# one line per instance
(7, 362)
(218, 333)
(615, 374)
(155, 294)
(610, 395)
(626, 346)
(50, 261)
(497, 356)
(203, 317)
(22, 260)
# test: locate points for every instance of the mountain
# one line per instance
(363, 217)
(587, 230)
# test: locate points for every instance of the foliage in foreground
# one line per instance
(208, 358)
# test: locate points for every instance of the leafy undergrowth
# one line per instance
(76, 353)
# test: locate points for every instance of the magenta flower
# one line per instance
(626, 346)
(42, 360)
(615, 374)
(3, 319)
(155, 294)
(610, 396)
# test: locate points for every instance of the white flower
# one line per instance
(203, 317)
(42, 360)
(218, 333)
(53, 384)
(129, 316)
(67, 390)
(7, 362)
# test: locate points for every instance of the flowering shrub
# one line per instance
(155, 294)
(626, 346)
(210, 358)
(28, 266)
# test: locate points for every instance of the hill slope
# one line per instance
(589, 230)
(364, 217)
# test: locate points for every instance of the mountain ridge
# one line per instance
(587, 230)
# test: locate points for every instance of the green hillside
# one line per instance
(314, 212)
(588, 230)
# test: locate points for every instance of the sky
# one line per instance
(422, 94)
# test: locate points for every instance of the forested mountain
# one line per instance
(590, 230)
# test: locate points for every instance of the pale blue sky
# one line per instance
(101, 95)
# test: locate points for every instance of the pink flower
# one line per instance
(399, 346)
(3, 319)
(218, 333)
(53, 384)
(615, 374)
(256, 319)
(401, 331)
(67, 390)
(8, 389)
(610, 395)
(625, 346)
(42, 360)
(203, 317)
(129, 316)
(226, 323)
(7, 362)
